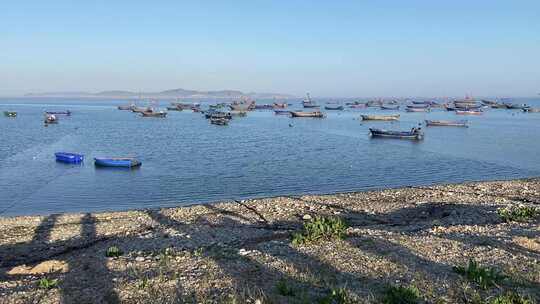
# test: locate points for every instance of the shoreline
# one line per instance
(243, 250)
(265, 197)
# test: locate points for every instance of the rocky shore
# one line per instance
(242, 251)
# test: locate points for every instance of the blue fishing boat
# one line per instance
(67, 157)
(333, 107)
(282, 112)
(121, 162)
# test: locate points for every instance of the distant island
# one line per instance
(173, 93)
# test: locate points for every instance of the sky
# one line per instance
(328, 48)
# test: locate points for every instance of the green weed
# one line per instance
(483, 276)
(284, 289)
(518, 214)
(320, 228)
(336, 296)
(45, 283)
(401, 295)
(511, 298)
(113, 252)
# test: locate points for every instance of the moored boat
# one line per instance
(68, 157)
(174, 107)
(50, 119)
(282, 112)
(447, 123)
(418, 106)
(119, 162)
(10, 114)
(417, 109)
(531, 110)
(414, 133)
(219, 121)
(469, 112)
(333, 107)
(126, 107)
(515, 106)
(358, 106)
(280, 105)
(308, 103)
(380, 117)
(160, 114)
(389, 107)
(238, 113)
(67, 112)
(316, 114)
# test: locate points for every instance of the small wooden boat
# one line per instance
(160, 114)
(358, 106)
(140, 110)
(414, 133)
(488, 102)
(531, 110)
(389, 107)
(68, 157)
(264, 107)
(50, 119)
(374, 103)
(120, 162)
(174, 108)
(333, 107)
(242, 106)
(516, 106)
(469, 112)
(282, 112)
(417, 109)
(499, 106)
(446, 123)
(128, 107)
(316, 114)
(280, 105)
(10, 114)
(67, 112)
(216, 114)
(467, 106)
(238, 113)
(423, 102)
(418, 106)
(380, 117)
(219, 121)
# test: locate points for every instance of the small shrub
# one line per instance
(401, 295)
(284, 289)
(113, 252)
(47, 283)
(483, 276)
(518, 214)
(336, 296)
(511, 298)
(320, 228)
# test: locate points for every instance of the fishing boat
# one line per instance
(449, 108)
(282, 112)
(67, 112)
(280, 105)
(50, 119)
(217, 114)
(418, 106)
(68, 157)
(174, 107)
(499, 106)
(308, 103)
(316, 114)
(423, 102)
(118, 162)
(333, 107)
(374, 103)
(531, 110)
(389, 107)
(264, 107)
(140, 110)
(417, 109)
(469, 112)
(358, 106)
(159, 114)
(219, 121)
(242, 106)
(414, 133)
(238, 113)
(446, 123)
(516, 106)
(10, 114)
(380, 117)
(488, 102)
(126, 107)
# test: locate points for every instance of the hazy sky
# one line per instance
(329, 48)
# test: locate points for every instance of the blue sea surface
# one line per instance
(187, 160)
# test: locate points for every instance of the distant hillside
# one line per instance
(173, 93)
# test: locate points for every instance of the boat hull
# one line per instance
(70, 158)
(414, 135)
(446, 123)
(307, 114)
(117, 162)
(380, 117)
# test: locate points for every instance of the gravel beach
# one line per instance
(242, 251)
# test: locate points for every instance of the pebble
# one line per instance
(307, 217)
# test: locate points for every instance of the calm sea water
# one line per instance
(187, 160)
